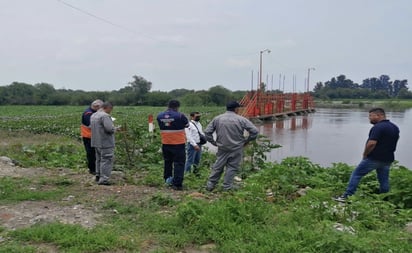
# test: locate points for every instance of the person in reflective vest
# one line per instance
(172, 126)
(86, 134)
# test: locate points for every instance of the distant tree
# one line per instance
(20, 94)
(340, 82)
(178, 93)
(318, 87)
(124, 96)
(80, 97)
(140, 87)
(386, 84)
(238, 95)
(379, 94)
(398, 86)
(138, 92)
(373, 84)
(61, 97)
(157, 98)
(196, 98)
(332, 84)
(43, 92)
(383, 84)
(405, 94)
(3, 91)
(219, 95)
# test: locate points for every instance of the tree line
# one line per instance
(138, 92)
(375, 88)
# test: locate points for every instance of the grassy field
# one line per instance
(279, 207)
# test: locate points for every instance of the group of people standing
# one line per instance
(97, 131)
(181, 138)
(182, 141)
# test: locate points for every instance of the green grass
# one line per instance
(74, 238)
(16, 247)
(246, 220)
(21, 189)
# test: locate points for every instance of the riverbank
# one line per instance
(392, 104)
(284, 207)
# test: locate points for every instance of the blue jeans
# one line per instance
(193, 157)
(366, 166)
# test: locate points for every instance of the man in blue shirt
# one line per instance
(378, 153)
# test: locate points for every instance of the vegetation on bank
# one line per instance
(138, 92)
(284, 206)
(269, 213)
(371, 88)
(387, 104)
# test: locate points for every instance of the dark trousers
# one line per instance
(90, 154)
(174, 163)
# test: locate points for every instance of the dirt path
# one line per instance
(27, 213)
(82, 203)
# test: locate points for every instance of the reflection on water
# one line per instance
(332, 135)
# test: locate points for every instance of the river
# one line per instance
(333, 135)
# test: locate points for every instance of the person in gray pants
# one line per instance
(230, 139)
(103, 141)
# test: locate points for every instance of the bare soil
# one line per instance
(27, 213)
(82, 203)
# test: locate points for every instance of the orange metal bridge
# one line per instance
(269, 105)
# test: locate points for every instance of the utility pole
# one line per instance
(260, 66)
(309, 69)
(251, 82)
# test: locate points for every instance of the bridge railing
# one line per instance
(258, 104)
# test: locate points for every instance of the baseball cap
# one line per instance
(232, 105)
(174, 104)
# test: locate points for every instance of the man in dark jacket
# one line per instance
(172, 126)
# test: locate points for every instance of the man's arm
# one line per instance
(253, 131)
(189, 134)
(369, 146)
(209, 132)
(108, 125)
(185, 120)
(86, 118)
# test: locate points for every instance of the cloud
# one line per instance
(238, 63)
(287, 43)
(176, 39)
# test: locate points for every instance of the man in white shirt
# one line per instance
(194, 148)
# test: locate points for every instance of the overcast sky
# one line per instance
(197, 44)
